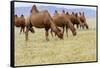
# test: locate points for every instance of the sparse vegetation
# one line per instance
(37, 50)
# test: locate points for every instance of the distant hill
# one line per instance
(25, 10)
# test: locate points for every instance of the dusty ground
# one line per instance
(37, 50)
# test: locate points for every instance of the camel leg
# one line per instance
(83, 26)
(63, 30)
(21, 30)
(67, 31)
(46, 34)
(55, 34)
(77, 26)
(51, 33)
(26, 33)
(74, 25)
(80, 26)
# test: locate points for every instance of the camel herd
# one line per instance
(56, 23)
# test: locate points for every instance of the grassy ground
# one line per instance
(37, 50)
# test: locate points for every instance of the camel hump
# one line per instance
(80, 13)
(83, 13)
(22, 19)
(76, 14)
(63, 11)
(73, 13)
(67, 13)
(34, 6)
(22, 15)
(56, 13)
(46, 11)
(15, 15)
(34, 9)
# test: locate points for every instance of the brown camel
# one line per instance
(62, 21)
(83, 20)
(20, 22)
(42, 20)
(75, 19)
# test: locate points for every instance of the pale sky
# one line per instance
(23, 4)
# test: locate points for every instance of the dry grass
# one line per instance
(37, 50)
